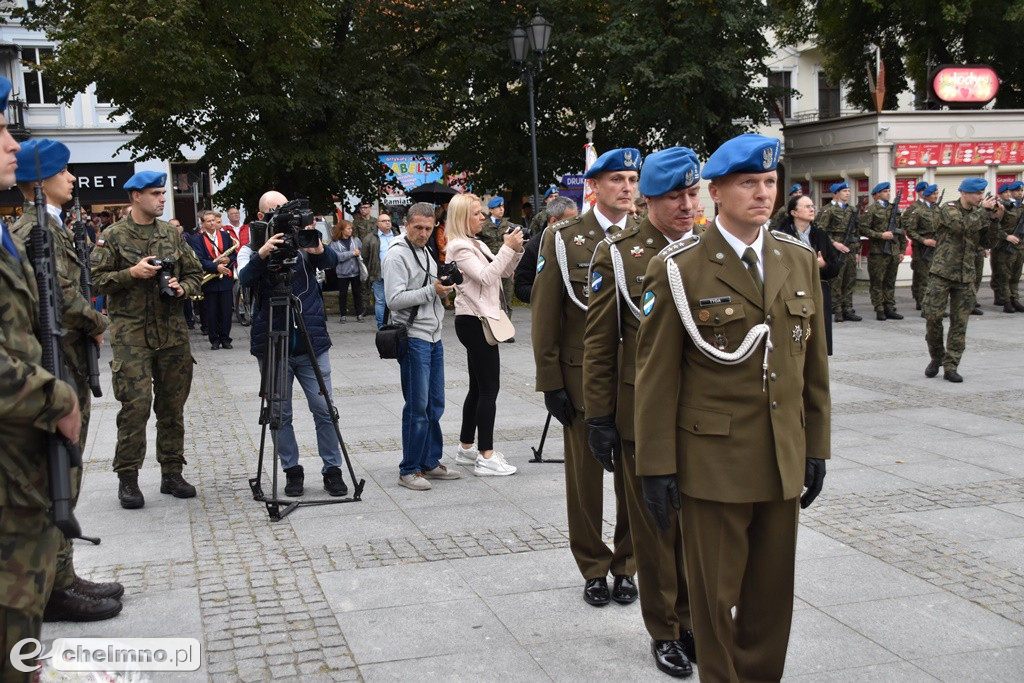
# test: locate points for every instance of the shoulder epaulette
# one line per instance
(777, 234)
(679, 247)
(623, 234)
(565, 223)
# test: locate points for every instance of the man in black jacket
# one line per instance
(559, 209)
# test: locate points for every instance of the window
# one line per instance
(828, 98)
(782, 79)
(37, 87)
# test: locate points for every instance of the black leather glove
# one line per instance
(559, 405)
(604, 441)
(660, 492)
(814, 477)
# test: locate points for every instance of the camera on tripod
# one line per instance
(449, 274)
(291, 220)
(164, 275)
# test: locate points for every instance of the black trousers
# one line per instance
(478, 409)
(357, 291)
(217, 315)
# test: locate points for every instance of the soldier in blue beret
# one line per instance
(1003, 189)
(965, 226)
(834, 219)
(882, 266)
(725, 429)
(920, 186)
(148, 273)
(670, 184)
(73, 598)
(919, 222)
(540, 219)
(796, 190)
(1008, 255)
(559, 307)
(492, 233)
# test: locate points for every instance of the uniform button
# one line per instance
(774, 376)
(775, 404)
(696, 427)
(805, 309)
(768, 320)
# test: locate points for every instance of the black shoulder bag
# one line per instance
(392, 338)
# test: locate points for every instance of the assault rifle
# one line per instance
(92, 349)
(61, 454)
(926, 255)
(1018, 232)
(893, 225)
(851, 226)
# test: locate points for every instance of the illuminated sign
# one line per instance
(965, 85)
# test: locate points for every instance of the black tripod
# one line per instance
(538, 452)
(284, 313)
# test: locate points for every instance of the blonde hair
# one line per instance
(460, 208)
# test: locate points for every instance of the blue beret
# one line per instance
(495, 203)
(5, 90)
(880, 187)
(973, 185)
(930, 190)
(749, 153)
(144, 179)
(1005, 187)
(835, 187)
(920, 186)
(796, 188)
(625, 159)
(552, 189)
(670, 169)
(1017, 185)
(53, 158)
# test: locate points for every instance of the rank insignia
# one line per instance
(807, 335)
(798, 333)
(637, 251)
(540, 264)
(704, 316)
(596, 281)
(579, 240)
(721, 342)
(648, 302)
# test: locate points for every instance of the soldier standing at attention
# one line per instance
(963, 228)
(670, 184)
(915, 257)
(152, 361)
(559, 307)
(73, 598)
(364, 225)
(882, 267)
(919, 221)
(780, 215)
(735, 411)
(33, 403)
(540, 219)
(1008, 254)
(493, 235)
(834, 219)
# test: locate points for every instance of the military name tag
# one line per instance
(583, 264)
(716, 300)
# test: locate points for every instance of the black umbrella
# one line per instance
(434, 193)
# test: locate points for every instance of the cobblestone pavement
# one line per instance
(910, 565)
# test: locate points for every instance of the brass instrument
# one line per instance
(214, 276)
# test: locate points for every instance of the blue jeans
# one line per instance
(423, 388)
(379, 302)
(300, 368)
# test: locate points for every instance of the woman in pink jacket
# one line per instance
(479, 295)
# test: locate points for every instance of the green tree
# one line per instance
(914, 36)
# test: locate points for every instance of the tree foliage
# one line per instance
(915, 36)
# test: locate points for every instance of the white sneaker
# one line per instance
(494, 466)
(465, 457)
(415, 481)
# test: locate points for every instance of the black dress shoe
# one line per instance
(932, 369)
(97, 591)
(689, 645)
(669, 657)
(596, 592)
(67, 605)
(892, 314)
(214, 346)
(225, 345)
(879, 315)
(851, 316)
(624, 590)
(952, 376)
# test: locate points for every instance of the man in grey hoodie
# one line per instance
(414, 296)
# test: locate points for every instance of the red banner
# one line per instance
(959, 153)
(862, 186)
(906, 185)
(1002, 178)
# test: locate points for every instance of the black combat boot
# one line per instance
(176, 485)
(293, 482)
(1008, 307)
(128, 491)
(852, 316)
(96, 591)
(1018, 306)
(879, 315)
(932, 369)
(892, 314)
(977, 311)
(952, 376)
(839, 317)
(67, 605)
(334, 484)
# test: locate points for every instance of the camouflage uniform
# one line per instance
(780, 215)
(81, 322)
(882, 267)
(919, 221)
(1007, 259)
(833, 220)
(539, 222)
(32, 401)
(959, 233)
(152, 360)
(492, 235)
(364, 227)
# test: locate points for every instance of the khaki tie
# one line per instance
(750, 258)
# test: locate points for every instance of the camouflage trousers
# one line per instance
(979, 272)
(919, 267)
(961, 298)
(882, 275)
(506, 290)
(28, 555)
(163, 378)
(1006, 271)
(842, 284)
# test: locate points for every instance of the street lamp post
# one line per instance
(536, 35)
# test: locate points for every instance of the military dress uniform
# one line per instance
(959, 234)
(919, 221)
(609, 379)
(152, 360)
(882, 267)
(559, 302)
(1007, 261)
(833, 219)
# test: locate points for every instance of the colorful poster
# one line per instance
(574, 188)
(409, 170)
(906, 186)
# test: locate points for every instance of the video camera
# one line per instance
(292, 220)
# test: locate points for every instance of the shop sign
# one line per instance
(974, 85)
(959, 153)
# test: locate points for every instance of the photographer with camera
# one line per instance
(148, 272)
(298, 249)
(414, 295)
(480, 300)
